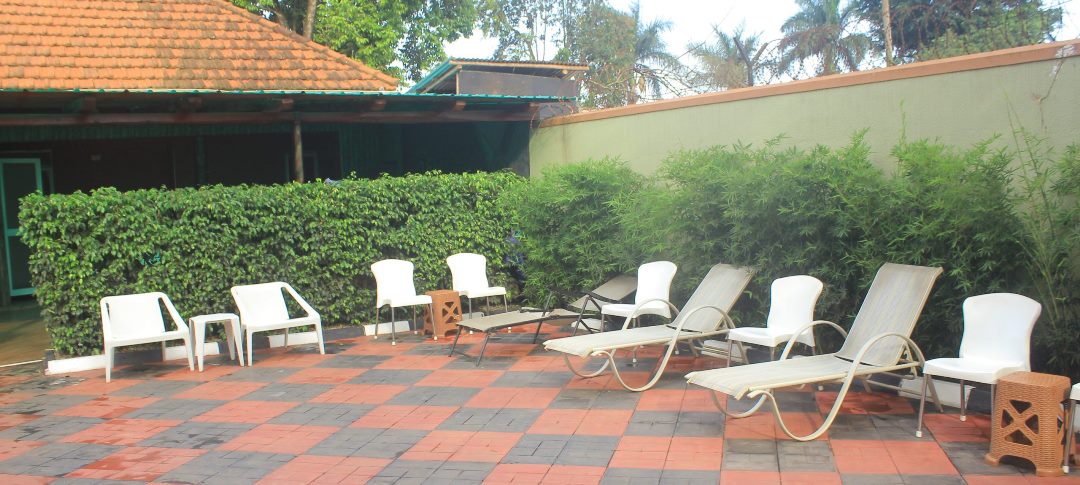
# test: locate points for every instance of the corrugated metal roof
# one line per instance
(358, 94)
(437, 77)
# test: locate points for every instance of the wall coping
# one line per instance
(971, 62)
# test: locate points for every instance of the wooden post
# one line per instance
(298, 153)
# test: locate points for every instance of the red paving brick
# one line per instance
(279, 438)
(513, 397)
(11, 448)
(460, 378)
(137, 463)
(93, 387)
(221, 390)
(414, 362)
(323, 375)
(360, 393)
(108, 407)
(325, 470)
(857, 456)
(245, 412)
(405, 417)
(479, 446)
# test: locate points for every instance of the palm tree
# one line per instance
(822, 31)
(733, 61)
(652, 61)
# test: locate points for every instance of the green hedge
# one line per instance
(194, 244)
(829, 212)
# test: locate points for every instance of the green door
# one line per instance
(18, 177)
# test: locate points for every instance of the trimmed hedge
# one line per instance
(194, 244)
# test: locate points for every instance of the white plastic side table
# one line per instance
(232, 334)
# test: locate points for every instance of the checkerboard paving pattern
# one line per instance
(369, 412)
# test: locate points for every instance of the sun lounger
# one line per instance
(493, 323)
(879, 341)
(589, 306)
(704, 315)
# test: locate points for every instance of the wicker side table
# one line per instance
(447, 305)
(1028, 421)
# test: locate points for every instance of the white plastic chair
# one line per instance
(996, 342)
(791, 308)
(653, 288)
(136, 319)
(262, 308)
(394, 287)
(469, 273)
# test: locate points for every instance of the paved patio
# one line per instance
(367, 411)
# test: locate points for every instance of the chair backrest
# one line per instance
(654, 280)
(997, 326)
(262, 302)
(133, 316)
(469, 271)
(393, 279)
(721, 287)
(892, 305)
(617, 288)
(792, 302)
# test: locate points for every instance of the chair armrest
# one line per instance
(810, 326)
(180, 325)
(302, 302)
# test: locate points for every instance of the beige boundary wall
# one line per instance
(959, 101)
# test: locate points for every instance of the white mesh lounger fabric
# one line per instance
(492, 323)
(879, 341)
(704, 315)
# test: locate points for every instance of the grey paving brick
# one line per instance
(323, 414)
(701, 424)
(461, 472)
(586, 450)
(368, 442)
(630, 476)
(595, 399)
(736, 445)
(895, 427)
(184, 409)
(435, 350)
(801, 402)
(690, 477)
(750, 461)
(406, 471)
(806, 463)
(56, 459)
(653, 423)
(45, 404)
(536, 449)
(742, 405)
(486, 419)
(399, 377)
(468, 361)
(48, 428)
(196, 435)
(261, 374)
(353, 361)
(933, 479)
(870, 479)
(968, 458)
(533, 379)
(280, 391)
(434, 396)
(227, 467)
(156, 388)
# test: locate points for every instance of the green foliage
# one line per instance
(571, 236)
(320, 238)
(379, 33)
(824, 31)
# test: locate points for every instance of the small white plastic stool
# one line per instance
(232, 333)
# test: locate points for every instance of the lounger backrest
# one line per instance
(617, 288)
(893, 304)
(721, 287)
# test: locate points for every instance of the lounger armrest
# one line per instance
(809, 327)
(599, 297)
(913, 348)
(724, 319)
(637, 308)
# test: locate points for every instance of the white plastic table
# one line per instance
(232, 334)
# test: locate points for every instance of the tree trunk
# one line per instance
(887, 23)
(309, 19)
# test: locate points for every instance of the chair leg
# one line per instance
(1070, 438)
(922, 406)
(506, 308)
(190, 347)
(470, 308)
(250, 348)
(318, 335)
(163, 356)
(286, 337)
(393, 328)
(109, 351)
(376, 323)
(963, 402)
(730, 347)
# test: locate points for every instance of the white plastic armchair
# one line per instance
(469, 272)
(791, 308)
(137, 319)
(262, 308)
(653, 289)
(996, 342)
(395, 288)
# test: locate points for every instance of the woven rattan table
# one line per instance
(447, 306)
(1028, 421)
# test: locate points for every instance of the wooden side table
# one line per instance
(447, 306)
(1028, 420)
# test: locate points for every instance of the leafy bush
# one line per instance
(571, 235)
(194, 244)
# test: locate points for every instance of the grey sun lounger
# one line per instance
(493, 323)
(879, 341)
(704, 315)
(614, 290)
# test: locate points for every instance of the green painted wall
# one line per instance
(958, 108)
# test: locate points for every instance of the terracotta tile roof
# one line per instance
(165, 44)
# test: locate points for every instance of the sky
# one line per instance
(693, 21)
